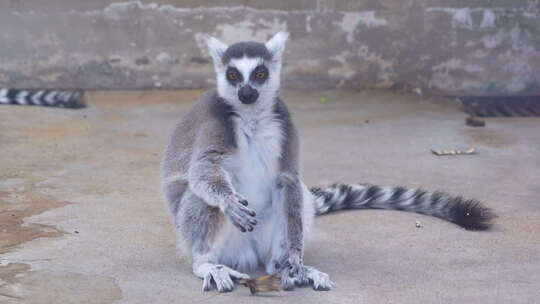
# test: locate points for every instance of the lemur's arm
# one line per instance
(211, 182)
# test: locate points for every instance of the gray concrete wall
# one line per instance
(482, 47)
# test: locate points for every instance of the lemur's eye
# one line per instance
(233, 75)
(260, 74)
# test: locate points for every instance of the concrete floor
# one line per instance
(82, 219)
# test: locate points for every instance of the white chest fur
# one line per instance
(254, 170)
(255, 165)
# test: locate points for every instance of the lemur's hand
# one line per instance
(235, 208)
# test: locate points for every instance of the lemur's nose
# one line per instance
(247, 94)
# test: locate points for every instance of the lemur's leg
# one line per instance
(318, 279)
(197, 225)
(288, 261)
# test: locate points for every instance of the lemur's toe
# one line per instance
(207, 282)
(224, 283)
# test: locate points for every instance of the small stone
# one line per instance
(418, 224)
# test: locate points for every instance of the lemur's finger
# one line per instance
(252, 221)
(239, 220)
(242, 200)
(239, 226)
(241, 214)
(247, 210)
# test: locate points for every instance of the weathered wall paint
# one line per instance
(488, 47)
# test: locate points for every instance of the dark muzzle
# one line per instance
(248, 95)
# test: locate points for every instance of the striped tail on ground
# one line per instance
(467, 213)
(48, 98)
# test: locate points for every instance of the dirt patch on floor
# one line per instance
(20, 199)
(21, 202)
(10, 271)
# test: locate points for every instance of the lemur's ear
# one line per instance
(276, 44)
(216, 49)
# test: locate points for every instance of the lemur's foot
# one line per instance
(221, 277)
(240, 215)
(305, 276)
(318, 279)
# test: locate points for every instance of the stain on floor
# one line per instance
(22, 202)
(9, 271)
(19, 200)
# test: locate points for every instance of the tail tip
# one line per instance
(77, 101)
(473, 215)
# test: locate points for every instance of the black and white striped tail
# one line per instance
(47, 98)
(467, 213)
(501, 106)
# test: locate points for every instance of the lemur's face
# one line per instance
(248, 73)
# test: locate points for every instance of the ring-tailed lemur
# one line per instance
(230, 175)
(47, 98)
